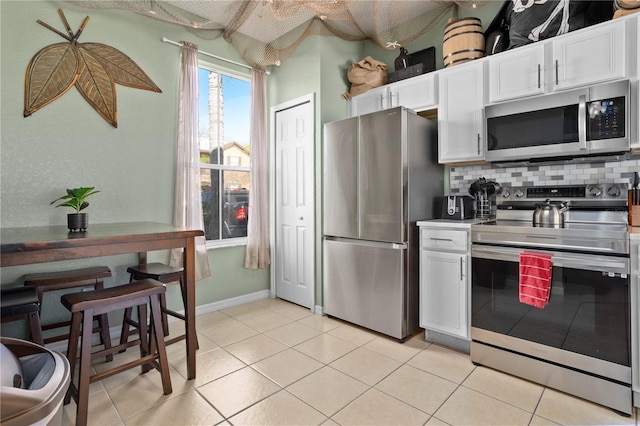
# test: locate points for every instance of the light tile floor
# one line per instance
(271, 362)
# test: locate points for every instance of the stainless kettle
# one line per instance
(549, 214)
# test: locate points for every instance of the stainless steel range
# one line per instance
(579, 342)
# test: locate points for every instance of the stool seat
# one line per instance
(19, 303)
(110, 298)
(73, 278)
(64, 278)
(157, 271)
(84, 306)
(19, 300)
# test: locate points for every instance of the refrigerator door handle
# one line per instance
(367, 243)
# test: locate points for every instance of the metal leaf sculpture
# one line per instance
(93, 68)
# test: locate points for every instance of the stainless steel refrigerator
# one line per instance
(380, 176)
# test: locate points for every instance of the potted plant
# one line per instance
(76, 199)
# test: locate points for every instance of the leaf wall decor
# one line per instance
(93, 68)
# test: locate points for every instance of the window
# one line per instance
(224, 121)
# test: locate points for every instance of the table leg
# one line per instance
(189, 263)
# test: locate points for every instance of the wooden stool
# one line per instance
(75, 278)
(165, 274)
(22, 303)
(85, 306)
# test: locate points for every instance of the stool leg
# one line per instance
(85, 369)
(143, 332)
(126, 331)
(126, 321)
(163, 309)
(72, 351)
(105, 336)
(35, 328)
(103, 323)
(159, 345)
(183, 290)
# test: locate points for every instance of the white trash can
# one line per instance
(34, 381)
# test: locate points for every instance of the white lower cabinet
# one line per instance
(443, 295)
(444, 282)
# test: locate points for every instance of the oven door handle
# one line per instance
(589, 262)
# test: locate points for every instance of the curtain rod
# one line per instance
(175, 43)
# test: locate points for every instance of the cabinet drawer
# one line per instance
(444, 239)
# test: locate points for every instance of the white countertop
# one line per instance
(451, 223)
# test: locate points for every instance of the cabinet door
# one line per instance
(460, 114)
(370, 101)
(417, 93)
(443, 293)
(589, 56)
(516, 73)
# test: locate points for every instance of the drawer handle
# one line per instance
(440, 239)
(461, 269)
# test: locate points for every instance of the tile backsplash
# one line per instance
(461, 177)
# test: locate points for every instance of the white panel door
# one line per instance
(294, 204)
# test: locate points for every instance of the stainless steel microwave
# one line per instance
(572, 123)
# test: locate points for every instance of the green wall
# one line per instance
(318, 66)
(67, 144)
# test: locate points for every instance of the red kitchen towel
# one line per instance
(535, 278)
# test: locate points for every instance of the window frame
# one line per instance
(235, 241)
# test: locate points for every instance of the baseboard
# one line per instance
(227, 303)
(115, 331)
(318, 310)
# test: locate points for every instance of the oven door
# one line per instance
(586, 319)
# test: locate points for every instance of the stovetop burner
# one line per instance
(596, 203)
(596, 219)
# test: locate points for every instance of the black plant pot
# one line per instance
(78, 222)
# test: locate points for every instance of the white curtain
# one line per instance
(187, 212)
(258, 251)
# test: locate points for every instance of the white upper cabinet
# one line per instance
(416, 93)
(590, 55)
(516, 73)
(460, 114)
(370, 101)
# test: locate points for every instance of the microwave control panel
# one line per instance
(606, 118)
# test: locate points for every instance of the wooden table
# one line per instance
(29, 245)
